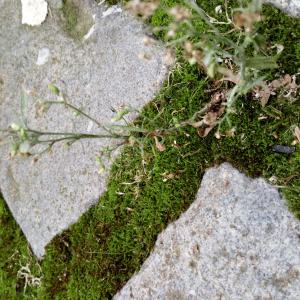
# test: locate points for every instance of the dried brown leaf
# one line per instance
(197, 124)
(287, 79)
(179, 13)
(297, 133)
(246, 19)
(160, 147)
(203, 132)
(217, 97)
(145, 9)
(210, 118)
(264, 96)
(276, 84)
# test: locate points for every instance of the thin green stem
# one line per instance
(77, 110)
(82, 136)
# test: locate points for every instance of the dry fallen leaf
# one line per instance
(246, 20)
(286, 84)
(265, 96)
(231, 132)
(287, 79)
(210, 118)
(209, 121)
(276, 84)
(203, 132)
(160, 147)
(197, 124)
(297, 133)
(281, 82)
(213, 110)
(168, 176)
(145, 9)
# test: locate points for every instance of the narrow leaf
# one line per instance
(53, 89)
(261, 63)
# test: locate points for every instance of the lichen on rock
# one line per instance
(34, 12)
(77, 21)
(236, 241)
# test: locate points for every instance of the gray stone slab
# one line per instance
(98, 66)
(291, 7)
(237, 241)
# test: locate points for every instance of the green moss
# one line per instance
(281, 29)
(98, 254)
(14, 253)
(76, 21)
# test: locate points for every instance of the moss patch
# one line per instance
(76, 21)
(14, 254)
(149, 189)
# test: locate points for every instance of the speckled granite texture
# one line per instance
(99, 71)
(291, 7)
(237, 241)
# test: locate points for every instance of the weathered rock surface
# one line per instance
(34, 12)
(96, 63)
(291, 7)
(236, 241)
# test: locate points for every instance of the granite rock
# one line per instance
(97, 64)
(34, 12)
(237, 241)
(291, 7)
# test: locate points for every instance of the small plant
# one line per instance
(232, 54)
(26, 141)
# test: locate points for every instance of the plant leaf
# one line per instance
(264, 96)
(53, 89)
(261, 62)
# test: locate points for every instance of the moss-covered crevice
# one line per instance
(76, 20)
(146, 191)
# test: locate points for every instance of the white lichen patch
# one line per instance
(111, 10)
(91, 31)
(43, 56)
(90, 126)
(34, 12)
